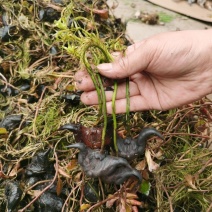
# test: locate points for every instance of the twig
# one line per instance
(5, 80)
(114, 116)
(102, 202)
(209, 179)
(203, 168)
(102, 190)
(67, 199)
(37, 108)
(190, 134)
(186, 152)
(169, 198)
(82, 189)
(116, 194)
(128, 105)
(210, 207)
(40, 182)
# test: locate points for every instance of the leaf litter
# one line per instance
(40, 51)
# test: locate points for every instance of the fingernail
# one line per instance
(105, 67)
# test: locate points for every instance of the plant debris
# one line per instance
(43, 44)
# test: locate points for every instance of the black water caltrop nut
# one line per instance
(11, 91)
(39, 164)
(6, 33)
(32, 180)
(11, 122)
(130, 148)
(110, 169)
(13, 195)
(49, 202)
(8, 91)
(90, 136)
(48, 14)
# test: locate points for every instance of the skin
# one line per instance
(166, 71)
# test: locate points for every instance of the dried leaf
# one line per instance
(131, 196)
(159, 155)
(190, 181)
(152, 166)
(145, 174)
(110, 202)
(36, 193)
(78, 177)
(122, 206)
(3, 176)
(63, 172)
(59, 186)
(133, 202)
(141, 165)
(128, 208)
(72, 164)
(31, 8)
(206, 113)
(84, 207)
(104, 13)
(15, 170)
(134, 209)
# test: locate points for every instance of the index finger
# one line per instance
(85, 83)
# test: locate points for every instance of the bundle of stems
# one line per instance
(91, 50)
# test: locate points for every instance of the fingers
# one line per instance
(91, 97)
(85, 83)
(137, 103)
(83, 80)
(136, 60)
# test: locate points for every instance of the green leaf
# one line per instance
(145, 187)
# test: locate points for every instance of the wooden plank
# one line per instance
(194, 10)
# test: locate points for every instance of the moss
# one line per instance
(164, 17)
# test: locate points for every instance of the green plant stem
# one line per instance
(94, 42)
(92, 75)
(127, 106)
(98, 84)
(114, 116)
(104, 111)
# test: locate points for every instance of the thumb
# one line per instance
(136, 60)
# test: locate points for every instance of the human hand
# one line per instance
(165, 71)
